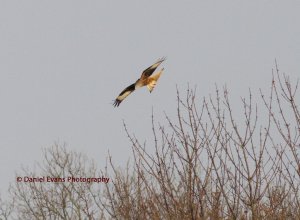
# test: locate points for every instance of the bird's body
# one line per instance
(146, 79)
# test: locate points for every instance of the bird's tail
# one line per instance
(153, 80)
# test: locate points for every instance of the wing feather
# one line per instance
(126, 92)
(148, 72)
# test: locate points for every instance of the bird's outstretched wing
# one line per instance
(148, 72)
(126, 92)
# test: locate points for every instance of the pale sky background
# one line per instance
(63, 62)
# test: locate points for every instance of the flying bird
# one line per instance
(146, 79)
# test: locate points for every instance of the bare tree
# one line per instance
(211, 164)
(53, 194)
(6, 209)
(208, 163)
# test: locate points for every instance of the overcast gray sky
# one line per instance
(63, 62)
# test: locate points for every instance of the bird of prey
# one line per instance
(146, 79)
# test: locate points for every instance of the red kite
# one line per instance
(146, 79)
